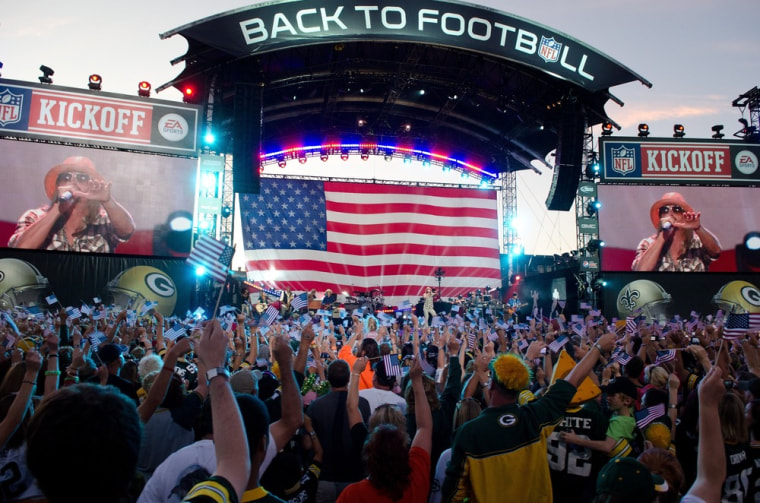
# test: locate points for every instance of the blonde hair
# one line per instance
(657, 376)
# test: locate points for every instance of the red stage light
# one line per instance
(143, 89)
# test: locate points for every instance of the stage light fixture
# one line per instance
(717, 134)
(47, 73)
(593, 207)
(592, 170)
(643, 130)
(323, 156)
(594, 245)
(190, 93)
(281, 162)
(226, 211)
(678, 131)
(95, 83)
(606, 128)
(752, 241)
(302, 158)
(143, 89)
(344, 155)
(1, 66)
(365, 154)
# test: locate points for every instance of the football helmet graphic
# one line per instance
(643, 297)
(21, 284)
(738, 297)
(133, 287)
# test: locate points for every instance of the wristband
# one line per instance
(52, 372)
(599, 348)
(672, 406)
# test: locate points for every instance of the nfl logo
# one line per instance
(549, 49)
(10, 107)
(623, 160)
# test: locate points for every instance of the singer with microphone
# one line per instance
(82, 215)
(681, 244)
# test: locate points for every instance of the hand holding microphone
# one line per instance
(665, 224)
(66, 197)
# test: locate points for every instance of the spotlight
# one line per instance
(226, 211)
(643, 130)
(593, 207)
(678, 131)
(95, 83)
(388, 155)
(606, 128)
(752, 241)
(302, 158)
(344, 155)
(47, 72)
(592, 170)
(599, 283)
(323, 156)
(281, 162)
(365, 154)
(594, 245)
(716, 129)
(406, 127)
(143, 89)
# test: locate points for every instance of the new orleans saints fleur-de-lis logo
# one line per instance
(629, 298)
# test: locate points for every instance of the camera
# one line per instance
(695, 340)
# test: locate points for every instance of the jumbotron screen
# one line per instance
(70, 198)
(678, 228)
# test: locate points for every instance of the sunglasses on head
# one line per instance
(667, 209)
(67, 177)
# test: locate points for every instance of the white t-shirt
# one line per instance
(183, 469)
(377, 397)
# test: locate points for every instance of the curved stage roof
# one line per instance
(452, 77)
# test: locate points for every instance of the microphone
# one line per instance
(65, 197)
(665, 224)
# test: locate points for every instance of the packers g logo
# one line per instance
(748, 293)
(507, 420)
(160, 284)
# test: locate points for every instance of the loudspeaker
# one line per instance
(248, 118)
(567, 172)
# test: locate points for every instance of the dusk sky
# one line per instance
(699, 55)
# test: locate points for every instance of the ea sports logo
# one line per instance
(173, 127)
(746, 162)
(160, 284)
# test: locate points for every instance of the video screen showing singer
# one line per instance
(681, 243)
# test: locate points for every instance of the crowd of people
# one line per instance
(444, 407)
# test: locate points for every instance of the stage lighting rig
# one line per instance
(95, 82)
(606, 128)
(143, 89)
(678, 131)
(717, 134)
(643, 130)
(47, 73)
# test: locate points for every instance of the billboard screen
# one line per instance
(636, 217)
(679, 161)
(70, 198)
(56, 113)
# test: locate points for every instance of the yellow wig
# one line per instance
(511, 372)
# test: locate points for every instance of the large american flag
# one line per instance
(357, 236)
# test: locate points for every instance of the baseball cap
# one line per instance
(621, 385)
(628, 479)
(244, 381)
(109, 352)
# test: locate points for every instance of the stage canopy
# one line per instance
(466, 80)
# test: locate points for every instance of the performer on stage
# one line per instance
(329, 299)
(285, 298)
(428, 311)
(513, 307)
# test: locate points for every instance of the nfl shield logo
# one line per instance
(10, 107)
(549, 49)
(623, 160)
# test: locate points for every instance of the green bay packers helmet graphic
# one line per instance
(642, 297)
(135, 286)
(21, 284)
(738, 297)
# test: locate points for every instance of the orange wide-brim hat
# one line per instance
(77, 164)
(669, 199)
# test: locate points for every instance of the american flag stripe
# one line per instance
(754, 321)
(645, 416)
(392, 366)
(269, 316)
(349, 236)
(665, 356)
(214, 255)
